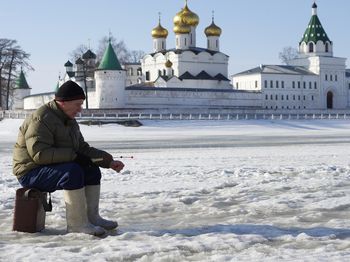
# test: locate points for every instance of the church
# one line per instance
(188, 76)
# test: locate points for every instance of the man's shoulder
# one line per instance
(41, 112)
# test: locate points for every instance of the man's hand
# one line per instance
(116, 165)
(83, 160)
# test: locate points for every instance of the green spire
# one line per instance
(109, 60)
(21, 82)
(315, 32)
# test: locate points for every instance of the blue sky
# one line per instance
(254, 31)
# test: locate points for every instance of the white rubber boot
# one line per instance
(92, 200)
(77, 220)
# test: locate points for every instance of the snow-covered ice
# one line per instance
(203, 191)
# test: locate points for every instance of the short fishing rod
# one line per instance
(94, 160)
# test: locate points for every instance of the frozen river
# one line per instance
(204, 191)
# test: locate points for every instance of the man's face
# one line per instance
(72, 108)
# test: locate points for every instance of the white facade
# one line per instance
(314, 80)
(18, 98)
(190, 76)
(110, 88)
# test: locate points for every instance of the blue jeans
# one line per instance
(67, 176)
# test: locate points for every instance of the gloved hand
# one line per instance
(83, 160)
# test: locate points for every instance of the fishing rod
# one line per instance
(94, 160)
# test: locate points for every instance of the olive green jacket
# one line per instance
(47, 137)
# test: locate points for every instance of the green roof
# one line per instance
(109, 60)
(315, 32)
(21, 82)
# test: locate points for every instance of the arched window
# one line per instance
(327, 48)
(311, 47)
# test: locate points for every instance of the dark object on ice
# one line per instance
(30, 207)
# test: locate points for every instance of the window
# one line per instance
(271, 84)
(327, 48)
(331, 77)
(277, 84)
(349, 85)
(237, 85)
(271, 97)
(147, 76)
(282, 84)
(326, 77)
(304, 98)
(310, 85)
(299, 97)
(266, 97)
(276, 97)
(312, 98)
(298, 84)
(256, 84)
(315, 85)
(287, 97)
(336, 78)
(163, 47)
(304, 85)
(282, 97)
(293, 84)
(217, 43)
(159, 72)
(311, 47)
(265, 83)
(293, 97)
(164, 72)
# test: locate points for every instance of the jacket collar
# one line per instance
(59, 112)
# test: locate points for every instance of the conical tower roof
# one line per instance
(109, 60)
(89, 55)
(21, 82)
(315, 31)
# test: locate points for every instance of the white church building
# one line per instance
(314, 80)
(188, 76)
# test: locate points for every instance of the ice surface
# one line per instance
(203, 191)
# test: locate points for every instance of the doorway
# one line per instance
(329, 100)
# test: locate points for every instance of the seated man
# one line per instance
(51, 154)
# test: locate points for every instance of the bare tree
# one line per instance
(136, 55)
(119, 47)
(12, 58)
(287, 54)
(78, 52)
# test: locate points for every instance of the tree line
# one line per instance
(12, 59)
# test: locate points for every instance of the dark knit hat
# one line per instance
(69, 91)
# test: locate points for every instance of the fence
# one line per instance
(188, 116)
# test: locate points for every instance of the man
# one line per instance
(51, 154)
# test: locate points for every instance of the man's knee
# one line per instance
(73, 177)
(93, 175)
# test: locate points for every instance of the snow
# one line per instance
(203, 191)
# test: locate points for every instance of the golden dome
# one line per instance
(168, 64)
(212, 30)
(182, 29)
(159, 32)
(186, 16)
